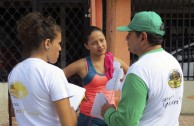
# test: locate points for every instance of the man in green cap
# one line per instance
(153, 86)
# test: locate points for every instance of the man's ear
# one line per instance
(144, 36)
(144, 40)
(47, 44)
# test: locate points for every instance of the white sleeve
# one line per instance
(59, 86)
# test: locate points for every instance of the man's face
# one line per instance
(133, 42)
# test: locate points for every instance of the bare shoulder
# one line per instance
(118, 60)
(77, 67)
(79, 62)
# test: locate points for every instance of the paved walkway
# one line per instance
(185, 120)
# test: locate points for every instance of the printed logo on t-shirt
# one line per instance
(18, 90)
(174, 80)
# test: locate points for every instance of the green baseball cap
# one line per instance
(145, 21)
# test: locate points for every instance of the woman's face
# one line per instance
(53, 49)
(96, 43)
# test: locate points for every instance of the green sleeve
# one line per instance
(131, 105)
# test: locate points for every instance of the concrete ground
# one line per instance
(186, 120)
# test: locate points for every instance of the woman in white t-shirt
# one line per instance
(38, 89)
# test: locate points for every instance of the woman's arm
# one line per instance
(67, 115)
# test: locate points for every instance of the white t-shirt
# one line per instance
(164, 101)
(34, 84)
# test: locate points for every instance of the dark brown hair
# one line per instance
(33, 29)
(89, 31)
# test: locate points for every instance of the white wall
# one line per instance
(188, 103)
(3, 103)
